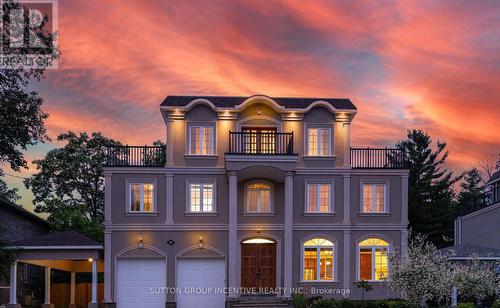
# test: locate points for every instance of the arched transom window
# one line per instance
(373, 259)
(318, 259)
(259, 197)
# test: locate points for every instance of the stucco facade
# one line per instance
(171, 232)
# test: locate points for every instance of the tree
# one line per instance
(474, 280)
(489, 164)
(70, 184)
(431, 209)
(471, 187)
(6, 257)
(20, 108)
(421, 276)
(365, 286)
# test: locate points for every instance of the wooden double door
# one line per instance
(258, 265)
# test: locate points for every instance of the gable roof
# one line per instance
(63, 238)
(22, 211)
(232, 101)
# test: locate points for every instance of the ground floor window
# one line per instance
(318, 259)
(373, 259)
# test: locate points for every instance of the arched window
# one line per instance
(373, 259)
(318, 259)
(258, 197)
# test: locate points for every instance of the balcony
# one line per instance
(135, 156)
(488, 197)
(260, 143)
(382, 158)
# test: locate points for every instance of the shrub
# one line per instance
(299, 300)
(324, 303)
(496, 304)
(394, 304)
(465, 305)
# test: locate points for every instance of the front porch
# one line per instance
(66, 251)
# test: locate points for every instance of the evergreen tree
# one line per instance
(431, 210)
(470, 191)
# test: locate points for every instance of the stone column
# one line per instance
(72, 291)
(233, 233)
(288, 261)
(47, 303)
(93, 302)
(347, 199)
(13, 286)
(347, 144)
(346, 273)
(108, 298)
(170, 199)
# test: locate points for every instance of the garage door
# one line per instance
(201, 274)
(135, 278)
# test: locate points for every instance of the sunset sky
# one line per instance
(433, 65)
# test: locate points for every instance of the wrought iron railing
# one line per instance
(489, 196)
(381, 158)
(260, 143)
(135, 156)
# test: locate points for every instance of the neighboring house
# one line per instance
(477, 230)
(253, 194)
(16, 224)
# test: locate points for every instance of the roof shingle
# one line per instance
(64, 238)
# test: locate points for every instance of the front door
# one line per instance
(258, 265)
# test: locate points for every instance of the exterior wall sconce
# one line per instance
(141, 242)
(200, 242)
(258, 110)
(258, 229)
(91, 260)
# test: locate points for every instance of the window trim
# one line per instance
(189, 182)
(331, 196)
(334, 255)
(128, 196)
(245, 199)
(386, 198)
(358, 261)
(331, 147)
(201, 125)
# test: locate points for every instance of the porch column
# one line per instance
(72, 293)
(347, 144)
(94, 282)
(288, 262)
(233, 233)
(47, 303)
(13, 284)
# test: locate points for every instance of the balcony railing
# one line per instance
(384, 158)
(135, 156)
(488, 197)
(260, 143)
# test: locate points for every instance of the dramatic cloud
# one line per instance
(433, 65)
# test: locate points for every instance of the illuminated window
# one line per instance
(374, 198)
(373, 259)
(319, 142)
(202, 140)
(201, 197)
(318, 260)
(141, 197)
(258, 199)
(319, 197)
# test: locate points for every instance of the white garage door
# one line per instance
(135, 279)
(202, 274)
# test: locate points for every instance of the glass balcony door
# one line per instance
(259, 140)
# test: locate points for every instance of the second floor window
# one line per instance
(374, 198)
(201, 198)
(319, 142)
(202, 140)
(258, 197)
(318, 197)
(141, 197)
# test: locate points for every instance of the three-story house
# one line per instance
(251, 195)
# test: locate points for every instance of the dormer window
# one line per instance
(201, 140)
(319, 141)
